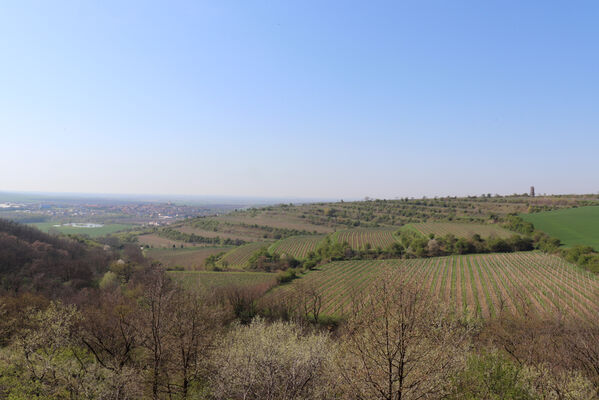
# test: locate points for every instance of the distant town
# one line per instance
(105, 211)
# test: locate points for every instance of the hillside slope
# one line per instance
(35, 261)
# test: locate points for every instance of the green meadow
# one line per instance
(73, 230)
(572, 226)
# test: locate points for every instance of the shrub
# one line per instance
(271, 361)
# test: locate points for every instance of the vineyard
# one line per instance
(200, 280)
(296, 246)
(472, 285)
(459, 230)
(239, 256)
(189, 257)
(359, 238)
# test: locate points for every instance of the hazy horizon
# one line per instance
(309, 100)
(14, 196)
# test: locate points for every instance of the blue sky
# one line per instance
(299, 99)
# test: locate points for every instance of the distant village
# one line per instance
(142, 213)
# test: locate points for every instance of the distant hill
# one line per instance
(297, 229)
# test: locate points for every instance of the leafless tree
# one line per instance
(195, 325)
(156, 313)
(400, 344)
(309, 298)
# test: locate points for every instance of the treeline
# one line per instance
(585, 256)
(278, 233)
(174, 234)
(414, 244)
(410, 245)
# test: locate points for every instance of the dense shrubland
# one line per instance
(148, 338)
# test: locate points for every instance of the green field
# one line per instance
(472, 285)
(459, 229)
(209, 279)
(572, 226)
(71, 230)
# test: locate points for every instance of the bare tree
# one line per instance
(195, 324)
(400, 344)
(111, 329)
(243, 300)
(156, 313)
(582, 343)
(309, 298)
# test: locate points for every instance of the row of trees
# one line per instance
(417, 245)
(410, 245)
(174, 234)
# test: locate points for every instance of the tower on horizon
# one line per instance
(532, 191)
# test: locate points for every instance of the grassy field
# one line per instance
(202, 280)
(189, 257)
(572, 226)
(92, 232)
(239, 256)
(296, 246)
(472, 285)
(358, 238)
(459, 229)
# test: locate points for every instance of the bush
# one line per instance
(490, 376)
(287, 276)
(276, 361)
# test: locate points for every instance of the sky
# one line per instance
(303, 99)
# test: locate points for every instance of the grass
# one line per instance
(573, 226)
(459, 229)
(71, 230)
